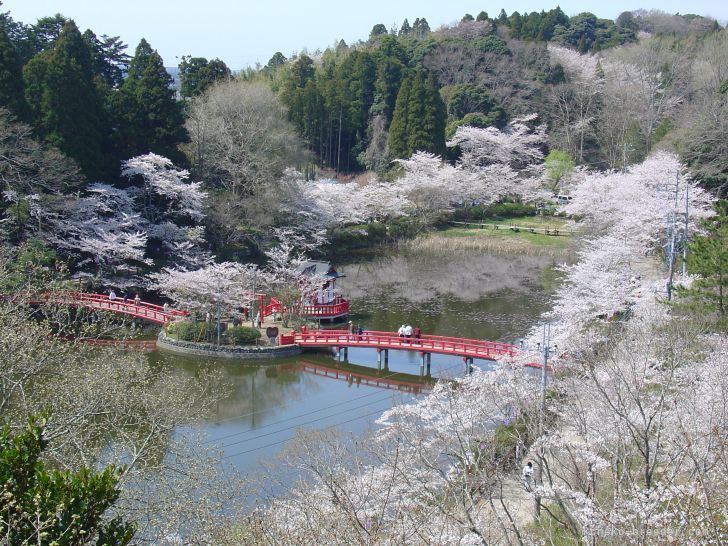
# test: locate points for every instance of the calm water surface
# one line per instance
(486, 297)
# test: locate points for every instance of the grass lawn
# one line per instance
(506, 234)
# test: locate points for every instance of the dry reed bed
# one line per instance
(434, 243)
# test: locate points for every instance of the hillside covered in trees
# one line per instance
(606, 91)
(112, 178)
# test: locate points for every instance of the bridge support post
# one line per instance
(345, 353)
(468, 365)
(379, 360)
(425, 358)
(386, 358)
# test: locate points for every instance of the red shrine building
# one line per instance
(323, 303)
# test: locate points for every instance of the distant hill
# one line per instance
(174, 72)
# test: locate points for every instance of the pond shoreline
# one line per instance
(234, 352)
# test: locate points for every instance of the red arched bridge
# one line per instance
(102, 302)
(340, 340)
(426, 345)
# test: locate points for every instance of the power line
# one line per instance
(287, 404)
(299, 425)
(324, 408)
(291, 438)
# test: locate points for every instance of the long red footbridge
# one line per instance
(425, 344)
(143, 310)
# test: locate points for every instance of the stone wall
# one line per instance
(239, 352)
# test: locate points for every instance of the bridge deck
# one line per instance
(467, 348)
(144, 310)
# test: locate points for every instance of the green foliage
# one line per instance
(398, 145)
(377, 30)
(240, 335)
(558, 164)
(34, 267)
(50, 507)
(65, 106)
(151, 118)
(496, 210)
(418, 122)
(492, 44)
(184, 330)
(507, 436)
(11, 76)
(467, 99)
(708, 258)
(197, 75)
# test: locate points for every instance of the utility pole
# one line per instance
(671, 199)
(685, 233)
(545, 349)
(626, 148)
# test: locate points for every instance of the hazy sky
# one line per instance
(243, 32)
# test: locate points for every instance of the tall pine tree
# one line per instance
(418, 123)
(64, 103)
(151, 118)
(708, 258)
(418, 138)
(435, 116)
(398, 130)
(11, 76)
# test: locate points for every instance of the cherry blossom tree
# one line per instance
(428, 185)
(225, 286)
(287, 277)
(113, 233)
(431, 473)
(517, 145)
(325, 203)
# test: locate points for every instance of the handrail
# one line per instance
(340, 307)
(153, 312)
(391, 340)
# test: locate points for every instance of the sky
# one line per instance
(244, 32)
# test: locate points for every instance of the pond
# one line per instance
(491, 297)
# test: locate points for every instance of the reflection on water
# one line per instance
(481, 297)
(485, 297)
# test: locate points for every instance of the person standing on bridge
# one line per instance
(112, 295)
(137, 300)
(400, 332)
(417, 332)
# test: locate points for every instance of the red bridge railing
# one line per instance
(148, 311)
(470, 348)
(337, 308)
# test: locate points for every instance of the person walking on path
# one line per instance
(526, 475)
(257, 320)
